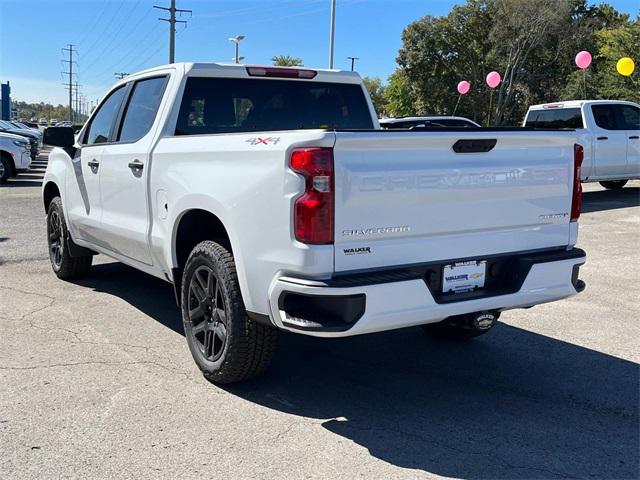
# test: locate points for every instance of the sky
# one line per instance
(126, 36)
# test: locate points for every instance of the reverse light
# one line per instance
(313, 211)
(281, 72)
(576, 198)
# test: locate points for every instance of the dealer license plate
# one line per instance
(463, 276)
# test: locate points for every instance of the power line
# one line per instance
(172, 26)
(95, 23)
(136, 47)
(113, 37)
(107, 27)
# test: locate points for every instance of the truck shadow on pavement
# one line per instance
(610, 199)
(513, 404)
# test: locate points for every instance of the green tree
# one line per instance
(531, 43)
(376, 90)
(602, 79)
(286, 61)
(398, 95)
(438, 52)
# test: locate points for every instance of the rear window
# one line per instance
(227, 105)
(555, 118)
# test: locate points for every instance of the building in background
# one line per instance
(5, 96)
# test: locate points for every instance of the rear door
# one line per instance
(84, 207)
(407, 197)
(610, 142)
(125, 171)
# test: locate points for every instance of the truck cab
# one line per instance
(609, 130)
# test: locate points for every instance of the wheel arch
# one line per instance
(191, 227)
(9, 157)
(49, 192)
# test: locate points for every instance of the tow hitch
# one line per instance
(483, 320)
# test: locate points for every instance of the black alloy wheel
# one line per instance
(56, 239)
(207, 313)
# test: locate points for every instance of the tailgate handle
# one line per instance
(479, 145)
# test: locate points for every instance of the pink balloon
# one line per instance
(493, 79)
(583, 59)
(463, 87)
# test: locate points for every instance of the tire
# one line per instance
(63, 264)
(614, 184)
(5, 169)
(456, 329)
(225, 343)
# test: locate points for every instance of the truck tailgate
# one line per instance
(404, 198)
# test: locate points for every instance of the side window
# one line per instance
(628, 117)
(141, 109)
(604, 116)
(101, 122)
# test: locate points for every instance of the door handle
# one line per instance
(93, 164)
(603, 138)
(634, 137)
(136, 165)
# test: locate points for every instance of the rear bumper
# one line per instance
(380, 301)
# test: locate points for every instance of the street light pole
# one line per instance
(237, 39)
(332, 32)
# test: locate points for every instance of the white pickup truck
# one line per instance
(609, 131)
(271, 199)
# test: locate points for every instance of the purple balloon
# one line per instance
(583, 59)
(463, 87)
(493, 79)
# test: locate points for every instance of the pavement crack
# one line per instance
(98, 362)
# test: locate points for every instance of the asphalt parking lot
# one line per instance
(96, 380)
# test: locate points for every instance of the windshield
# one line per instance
(225, 105)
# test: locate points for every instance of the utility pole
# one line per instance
(353, 62)
(77, 109)
(332, 32)
(172, 26)
(120, 75)
(69, 84)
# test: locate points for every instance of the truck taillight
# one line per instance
(576, 199)
(313, 210)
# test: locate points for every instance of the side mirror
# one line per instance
(59, 137)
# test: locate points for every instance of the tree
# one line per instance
(377, 93)
(286, 61)
(531, 43)
(398, 95)
(438, 52)
(602, 79)
(520, 28)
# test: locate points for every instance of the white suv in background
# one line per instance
(15, 155)
(609, 131)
